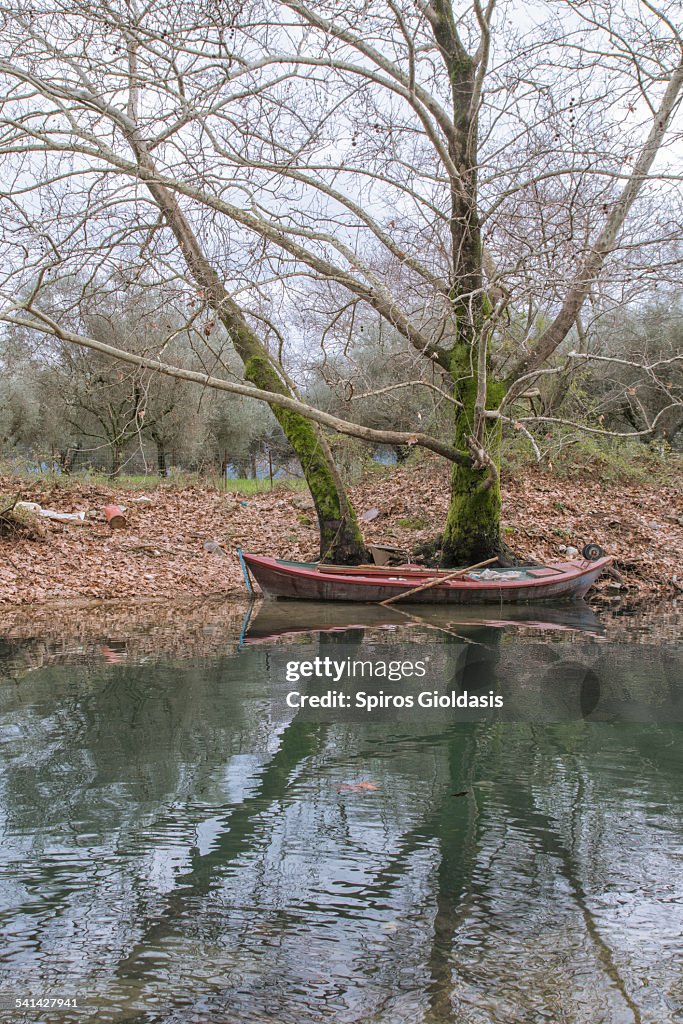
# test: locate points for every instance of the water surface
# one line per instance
(179, 846)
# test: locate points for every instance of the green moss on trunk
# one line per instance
(472, 532)
(340, 537)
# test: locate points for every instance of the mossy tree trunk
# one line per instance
(340, 537)
(472, 532)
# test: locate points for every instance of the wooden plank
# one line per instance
(381, 570)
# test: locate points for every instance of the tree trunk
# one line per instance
(116, 454)
(66, 457)
(241, 467)
(161, 458)
(472, 531)
(340, 536)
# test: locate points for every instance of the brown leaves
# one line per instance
(162, 553)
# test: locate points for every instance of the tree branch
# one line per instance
(606, 240)
(46, 325)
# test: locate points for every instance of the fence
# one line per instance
(144, 460)
(265, 463)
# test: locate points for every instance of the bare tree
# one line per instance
(636, 381)
(85, 95)
(467, 177)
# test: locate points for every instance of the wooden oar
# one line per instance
(438, 579)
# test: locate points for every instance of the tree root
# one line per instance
(429, 553)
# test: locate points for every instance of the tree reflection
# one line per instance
(207, 845)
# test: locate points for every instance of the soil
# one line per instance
(179, 541)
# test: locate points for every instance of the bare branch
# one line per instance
(606, 240)
(46, 325)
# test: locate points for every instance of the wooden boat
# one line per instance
(311, 581)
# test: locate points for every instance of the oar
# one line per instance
(438, 579)
(441, 629)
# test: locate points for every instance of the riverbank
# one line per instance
(179, 540)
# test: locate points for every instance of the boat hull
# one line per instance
(565, 581)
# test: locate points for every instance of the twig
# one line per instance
(481, 459)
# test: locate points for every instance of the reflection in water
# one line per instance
(178, 846)
(292, 619)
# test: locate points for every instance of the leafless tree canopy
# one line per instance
(497, 177)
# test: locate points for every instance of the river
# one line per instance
(182, 842)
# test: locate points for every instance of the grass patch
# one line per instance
(151, 482)
(248, 486)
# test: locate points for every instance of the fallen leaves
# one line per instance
(180, 532)
(168, 530)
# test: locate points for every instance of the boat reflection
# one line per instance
(555, 664)
(273, 620)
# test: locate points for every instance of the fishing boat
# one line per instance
(315, 581)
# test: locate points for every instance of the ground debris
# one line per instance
(541, 516)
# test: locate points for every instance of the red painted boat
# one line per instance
(562, 581)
